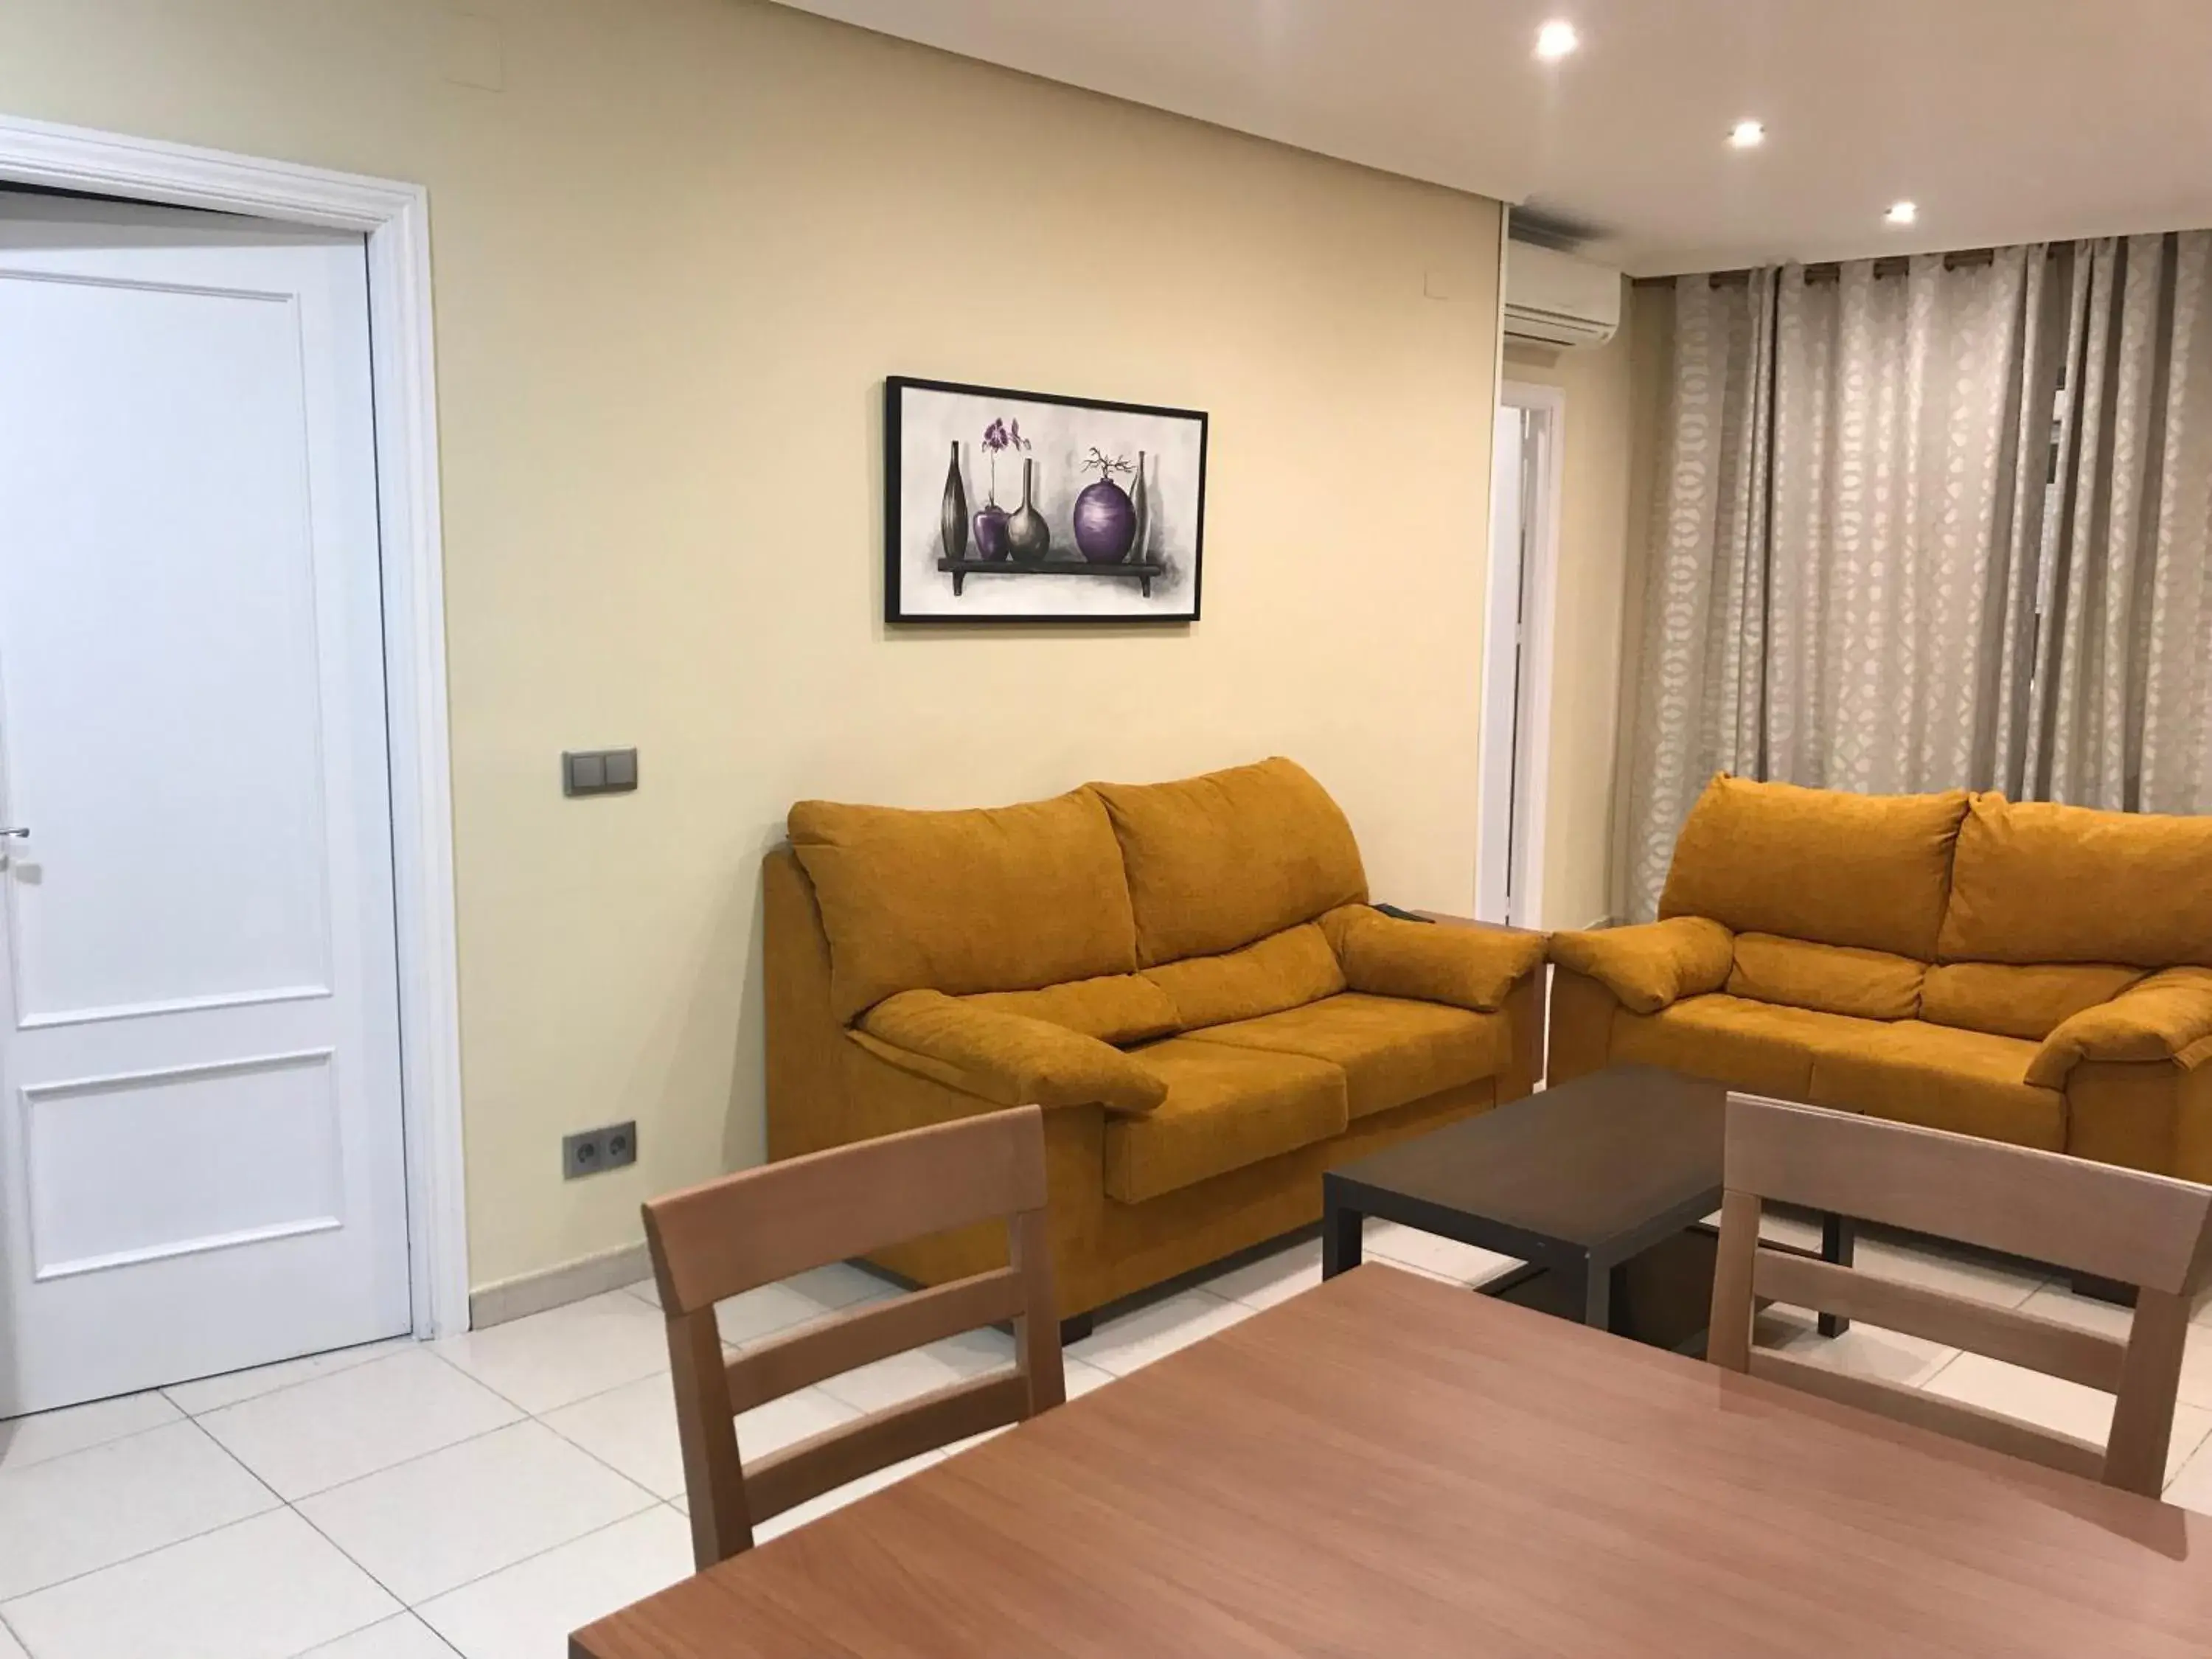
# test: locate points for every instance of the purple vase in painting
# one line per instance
(1105, 523)
(991, 532)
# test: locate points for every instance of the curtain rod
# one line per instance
(1828, 271)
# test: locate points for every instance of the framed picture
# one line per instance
(1024, 506)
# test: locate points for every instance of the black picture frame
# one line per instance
(899, 610)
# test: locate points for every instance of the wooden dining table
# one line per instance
(1386, 1465)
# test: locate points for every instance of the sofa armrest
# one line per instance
(2165, 1017)
(1472, 967)
(1008, 1058)
(1648, 966)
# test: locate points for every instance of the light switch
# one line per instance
(598, 771)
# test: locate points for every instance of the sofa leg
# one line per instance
(1838, 1234)
(2103, 1290)
(1075, 1329)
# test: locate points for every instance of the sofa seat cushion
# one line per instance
(1281, 971)
(1226, 1107)
(1971, 1082)
(1391, 1051)
(1216, 862)
(1758, 1047)
(1835, 979)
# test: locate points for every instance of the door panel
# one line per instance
(200, 1156)
(164, 677)
(137, 1167)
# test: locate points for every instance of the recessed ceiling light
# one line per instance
(1901, 213)
(1556, 39)
(1747, 135)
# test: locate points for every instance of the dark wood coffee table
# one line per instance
(1598, 1185)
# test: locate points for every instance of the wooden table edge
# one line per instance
(1389, 1291)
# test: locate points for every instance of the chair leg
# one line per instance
(1838, 1235)
(1075, 1329)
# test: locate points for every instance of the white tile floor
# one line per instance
(485, 1496)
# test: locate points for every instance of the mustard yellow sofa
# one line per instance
(2030, 972)
(1185, 975)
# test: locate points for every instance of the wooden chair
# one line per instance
(2142, 1230)
(751, 1229)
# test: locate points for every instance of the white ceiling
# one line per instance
(2006, 120)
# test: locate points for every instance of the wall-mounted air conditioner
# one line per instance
(1554, 299)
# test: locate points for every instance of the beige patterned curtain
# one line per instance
(1898, 447)
(1871, 568)
(2126, 608)
(1700, 707)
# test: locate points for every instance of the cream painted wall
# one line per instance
(677, 244)
(1594, 559)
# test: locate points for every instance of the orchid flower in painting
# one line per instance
(1001, 434)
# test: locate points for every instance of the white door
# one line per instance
(201, 1164)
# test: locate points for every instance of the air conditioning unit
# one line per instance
(1554, 299)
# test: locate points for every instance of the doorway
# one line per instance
(381, 230)
(1514, 754)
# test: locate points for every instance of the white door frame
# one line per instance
(395, 218)
(1531, 782)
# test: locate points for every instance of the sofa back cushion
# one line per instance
(1284, 970)
(2028, 1001)
(1004, 898)
(1871, 870)
(1115, 1008)
(1217, 861)
(1836, 979)
(2039, 882)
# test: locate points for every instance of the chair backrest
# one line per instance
(2140, 1229)
(731, 1236)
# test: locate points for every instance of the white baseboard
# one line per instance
(556, 1287)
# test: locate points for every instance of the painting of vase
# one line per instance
(1089, 511)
